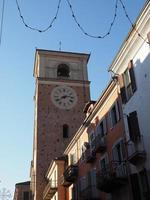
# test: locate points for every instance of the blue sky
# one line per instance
(17, 58)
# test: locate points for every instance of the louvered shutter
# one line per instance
(122, 89)
(132, 76)
(110, 119)
(134, 130)
(105, 126)
(117, 111)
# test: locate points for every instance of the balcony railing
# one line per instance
(113, 176)
(70, 175)
(100, 143)
(136, 151)
(50, 190)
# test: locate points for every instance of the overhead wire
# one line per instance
(34, 28)
(2, 21)
(99, 36)
(132, 24)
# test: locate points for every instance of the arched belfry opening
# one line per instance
(63, 70)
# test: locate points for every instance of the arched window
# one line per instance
(63, 70)
(65, 131)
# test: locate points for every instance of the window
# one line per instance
(83, 149)
(102, 128)
(119, 152)
(63, 70)
(114, 114)
(104, 162)
(133, 124)
(92, 140)
(65, 131)
(25, 195)
(127, 83)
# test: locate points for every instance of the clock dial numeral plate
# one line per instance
(64, 97)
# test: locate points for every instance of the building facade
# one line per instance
(96, 155)
(61, 91)
(54, 190)
(22, 191)
(131, 68)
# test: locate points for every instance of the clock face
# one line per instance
(64, 97)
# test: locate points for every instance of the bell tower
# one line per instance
(61, 92)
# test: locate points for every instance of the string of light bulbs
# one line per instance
(132, 24)
(99, 36)
(34, 28)
(2, 21)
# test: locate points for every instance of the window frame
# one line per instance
(117, 114)
(101, 128)
(120, 155)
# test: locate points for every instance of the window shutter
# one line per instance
(122, 89)
(117, 110)
(132, 76)
(105, 126)
(134, 130)
(107, 159)
(123, 95)
(123, 149)
(148, 37)
(115, 154)
(110, 119)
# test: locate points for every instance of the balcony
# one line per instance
(87, 187)
(112, 177)
(89, 155)
(136, 151)
(69, 176)
(100, 144)
(50, 190)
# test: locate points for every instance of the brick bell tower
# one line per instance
(61, 92)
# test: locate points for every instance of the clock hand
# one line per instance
(63, 97)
